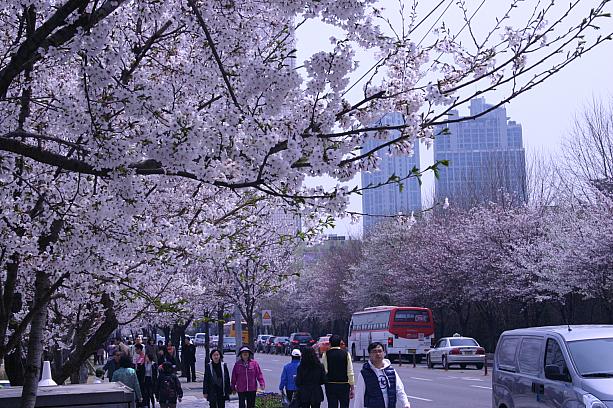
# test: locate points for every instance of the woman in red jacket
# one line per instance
(246, 375)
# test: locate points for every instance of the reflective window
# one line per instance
(530, 355)
(506, 352)
(554, 356)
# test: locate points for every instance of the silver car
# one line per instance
(456, 350)
(556, 366)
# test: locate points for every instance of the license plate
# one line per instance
(468, 352)
(412, 351)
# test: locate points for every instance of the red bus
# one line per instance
(403, 330)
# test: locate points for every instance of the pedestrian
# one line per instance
(170, 356)
(150, 380)
(138, 359)
(168, 387)
(310, 376)
(378, 384)
(112, 365)
(150, 347)
(216, 385)
(100, 355)
(246, 375)
(288, 376)
(127, 376)
(339, 372)
(122, 346)
(188, 359)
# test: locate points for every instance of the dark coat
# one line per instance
(309, 381)
(188, 354)
(208, 386)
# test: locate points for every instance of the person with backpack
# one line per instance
(378, 384)
(168, 388)
(310, 376)
(246, 375)
(216, 386)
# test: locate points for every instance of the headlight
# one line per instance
(591, 401)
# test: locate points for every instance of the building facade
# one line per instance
(487, 161)
(389, 199)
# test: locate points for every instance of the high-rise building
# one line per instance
(389, 199)
(487, 161)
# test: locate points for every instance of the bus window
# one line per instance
(420, 316)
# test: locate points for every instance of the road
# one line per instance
(457, 388)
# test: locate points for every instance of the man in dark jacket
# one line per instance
(339, 370)
(112, 364)
(188, 359)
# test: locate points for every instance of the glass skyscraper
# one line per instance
(487, 161)
(389, 199)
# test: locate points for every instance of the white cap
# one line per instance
(296, 353)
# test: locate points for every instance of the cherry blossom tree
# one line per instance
(122, 122)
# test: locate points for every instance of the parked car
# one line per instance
(281, 345)
(199, 339)
(300, 340)
(229, 345)
(269, 345)
(456, 350)
(323, 344)
(561, 366)
(214, 341)
(260, 342)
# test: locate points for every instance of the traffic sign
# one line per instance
(266, 318)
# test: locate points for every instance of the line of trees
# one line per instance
(487, 268)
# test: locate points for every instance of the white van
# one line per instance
(200, 339)
(556, 366)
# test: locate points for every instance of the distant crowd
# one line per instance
(151, 371)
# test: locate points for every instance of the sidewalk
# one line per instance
(192, 394)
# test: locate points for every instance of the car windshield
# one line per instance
(280, 339)
(302, 337)
(462, 342)
(594, 357)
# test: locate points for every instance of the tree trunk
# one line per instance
(79, 355)
(250, 330)
(35, 343)
(220, 323)
(7, 299)
(207, 340)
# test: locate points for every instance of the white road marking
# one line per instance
(275, 359)
(472, 379)
(266, 369)
(481, 386)
(421, 379)
(420, 399)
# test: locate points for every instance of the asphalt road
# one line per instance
(457, 388)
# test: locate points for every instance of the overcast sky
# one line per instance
(546, 113)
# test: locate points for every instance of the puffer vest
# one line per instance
(373, 397)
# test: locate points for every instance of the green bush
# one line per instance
(268, 400)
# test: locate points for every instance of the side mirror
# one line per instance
(554, 372)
